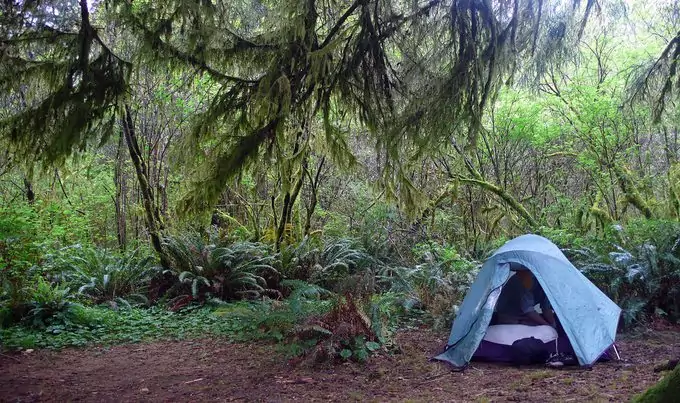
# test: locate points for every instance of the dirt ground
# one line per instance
(216, 370)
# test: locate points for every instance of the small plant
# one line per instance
(344, 333)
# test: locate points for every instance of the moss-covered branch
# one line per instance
(507, 198)
(629, 189)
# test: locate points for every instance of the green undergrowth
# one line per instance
(240, 321)
(320, 329)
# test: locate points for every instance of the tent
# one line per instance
(589, 318)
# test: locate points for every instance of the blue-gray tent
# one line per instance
(588, 316)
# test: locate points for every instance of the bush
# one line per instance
(345, 332)
(235, 271)
(438, 282)
(49, 305)
(100, 275)
(644, 279)
(19, 250)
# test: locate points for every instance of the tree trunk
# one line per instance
(30, 194)
(287, 210)
(632, 194)
(314, 196)
(153, 222)
(121, 190)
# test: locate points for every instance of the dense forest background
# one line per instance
(186, 153)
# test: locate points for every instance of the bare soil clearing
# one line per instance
(216, 370)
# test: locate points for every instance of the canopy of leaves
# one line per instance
(412, 73)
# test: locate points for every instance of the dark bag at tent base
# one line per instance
(529, 351)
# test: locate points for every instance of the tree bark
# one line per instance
(30, 194)
(313, 199)
(153, 221)
(121, 190)
(633, 196)
(286, 212)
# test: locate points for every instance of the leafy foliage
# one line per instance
(235, 271)
(49, 305)
(241, 321)
(644, 280)
(102, 276)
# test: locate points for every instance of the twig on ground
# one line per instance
(434, 377)
(486, 392)
(195, 380)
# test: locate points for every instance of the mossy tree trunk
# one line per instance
(505, 196)
(287, 210)
(120, 182)
(631, 192)
(153, 218)
(314, 191)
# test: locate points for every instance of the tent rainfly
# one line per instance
(588, 316)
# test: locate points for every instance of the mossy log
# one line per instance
(667, 390)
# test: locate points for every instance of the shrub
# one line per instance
(236, 271)
(102, 276)
(345, 332)
(49, 305)
(644, 279)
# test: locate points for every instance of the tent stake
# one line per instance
(618, 357)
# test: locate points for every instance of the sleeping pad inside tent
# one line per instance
(587, 318)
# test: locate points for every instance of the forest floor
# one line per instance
(217, 370)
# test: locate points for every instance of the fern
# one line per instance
(100, 275)
(235, 271)
(49, 304)
(642, 280)
(302, 291)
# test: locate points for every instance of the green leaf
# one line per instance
(345, 353)
(361, 354)
(372, 346)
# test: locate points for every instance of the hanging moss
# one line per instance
(275, 65)
(64, 81)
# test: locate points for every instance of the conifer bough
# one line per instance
(411, 73)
